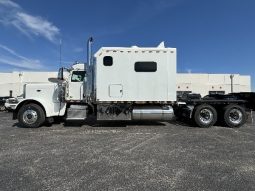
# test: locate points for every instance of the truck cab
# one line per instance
(47, 100)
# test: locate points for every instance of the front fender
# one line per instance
(51, 109)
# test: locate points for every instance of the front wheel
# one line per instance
(205, 115)
(31, 116)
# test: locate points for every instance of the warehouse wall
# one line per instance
(195, 83)
(14, 81)
(206, 83)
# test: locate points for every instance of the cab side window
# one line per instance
(77, 76)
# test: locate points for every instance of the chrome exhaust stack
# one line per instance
(89, 75)
(89, 51)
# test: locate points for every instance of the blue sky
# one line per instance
(211, 36)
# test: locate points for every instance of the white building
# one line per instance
(12, 83)
(204, 84)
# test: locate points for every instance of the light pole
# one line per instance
(232, 82)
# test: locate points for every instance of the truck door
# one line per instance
(75, 88)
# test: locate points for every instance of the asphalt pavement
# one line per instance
(126, 156)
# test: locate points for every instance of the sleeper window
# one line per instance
(108, 61)
(145, 66)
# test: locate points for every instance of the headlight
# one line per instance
(12, 100)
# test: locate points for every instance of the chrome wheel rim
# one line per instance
(235, 116)
(206, 116)
(30, 116)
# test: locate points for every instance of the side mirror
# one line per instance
(61, 73)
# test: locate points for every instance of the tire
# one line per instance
(205, 115)
(234, 116)
(2, 108)
(31, 116)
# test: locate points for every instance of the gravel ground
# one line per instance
(126, 156)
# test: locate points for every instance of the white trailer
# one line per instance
(122, 84)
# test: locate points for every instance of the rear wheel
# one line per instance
(31, 116)
(205, 115)
(234, 116)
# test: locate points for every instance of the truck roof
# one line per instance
(160, 47)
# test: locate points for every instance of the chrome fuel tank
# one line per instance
(157, 113)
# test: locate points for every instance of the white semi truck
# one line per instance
(123, 84)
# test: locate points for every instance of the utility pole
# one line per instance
(232, 82)
(60, 53)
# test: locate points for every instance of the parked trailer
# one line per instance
(122, 84)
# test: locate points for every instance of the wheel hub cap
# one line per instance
(30, 116)
(235, 116)
(206, 116)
